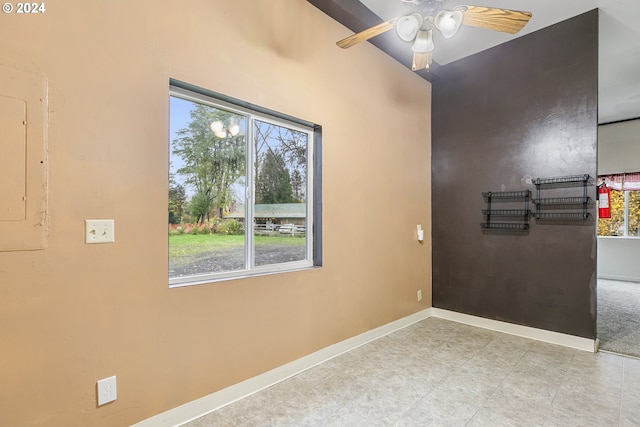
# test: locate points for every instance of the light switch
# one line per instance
(99, 231)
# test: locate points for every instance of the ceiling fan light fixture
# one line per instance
(423, 42)
(217, 126)
(448, 22)
(234, 127)
(407, 26)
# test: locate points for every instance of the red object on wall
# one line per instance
(604, 196)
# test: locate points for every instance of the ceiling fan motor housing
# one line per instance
(425, 7)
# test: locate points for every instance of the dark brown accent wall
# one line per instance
(524, 109)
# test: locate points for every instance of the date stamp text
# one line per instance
(24, 8)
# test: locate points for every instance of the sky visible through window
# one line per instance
(178, 119)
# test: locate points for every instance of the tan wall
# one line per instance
(74, 313)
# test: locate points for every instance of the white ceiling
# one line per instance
(619, 43)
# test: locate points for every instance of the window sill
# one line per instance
(247, 275)
(620, 237)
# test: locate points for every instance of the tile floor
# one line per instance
(442, 373)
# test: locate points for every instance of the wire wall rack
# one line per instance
(573, 203)
(509, 219)
(563, 181)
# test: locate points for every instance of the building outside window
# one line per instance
(241, 189)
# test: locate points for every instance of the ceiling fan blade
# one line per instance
(367, 34)
(504, 20)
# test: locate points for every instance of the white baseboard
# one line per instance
(619, 278)
(207, 404)
(572, 341)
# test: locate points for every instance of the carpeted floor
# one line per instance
(619, 316)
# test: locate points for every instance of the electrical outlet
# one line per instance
(107, 390)
(99, 231)
(419, 294)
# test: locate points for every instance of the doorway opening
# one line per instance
(618, 269)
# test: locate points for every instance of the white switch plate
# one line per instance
(99, 231)
(107, 390)
(419, 294)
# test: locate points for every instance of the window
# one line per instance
(243, 189)
(624, 204)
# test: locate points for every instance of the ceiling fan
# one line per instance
(426, 15)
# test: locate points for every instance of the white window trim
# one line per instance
(626, 217)
(253, 270)
(626, 214)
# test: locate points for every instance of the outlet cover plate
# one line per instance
(107, 390)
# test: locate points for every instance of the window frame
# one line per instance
(625, 225)
(627, 193)
(313, 201)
